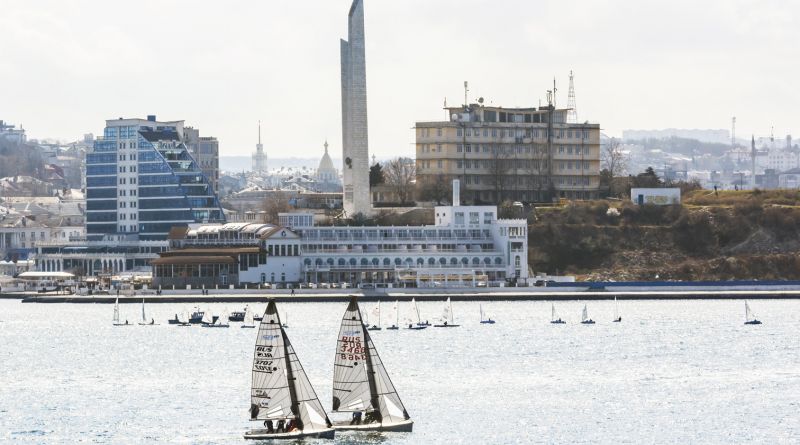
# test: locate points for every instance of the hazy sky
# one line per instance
(66, 66)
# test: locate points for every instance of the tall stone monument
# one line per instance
(355, 147)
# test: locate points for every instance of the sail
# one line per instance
(384, 392)
(585, 315)
(144, 317)
(350, 384)
(248, 316)
(208, 318)
(116, 310)
(748, 314)
(222, 320)
(447, 313)
(552, 311)
(280, 388)
(376, 313)
(183, 317)
(396, 312)
(616, 309)
(415, 310)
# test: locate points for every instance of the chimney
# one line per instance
(456, 192)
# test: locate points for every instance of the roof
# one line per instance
(221, 259)
(36, 274)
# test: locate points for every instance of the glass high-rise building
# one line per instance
(141, 181)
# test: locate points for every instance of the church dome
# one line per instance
(326, 163)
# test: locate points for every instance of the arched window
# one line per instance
(476, 261)
(409, 261)
(364, 261)
(420, 262)
(453, 261)
(498, 261)
(342, 262)
(487, 261)
(443, 261)
(329, 261)
(397, 261)
(387, 261)
(375, 261)
(353, 261)
(465, 261)
(516, 261)
(431, 261)
(307, 261)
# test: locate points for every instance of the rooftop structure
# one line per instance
(259, 157)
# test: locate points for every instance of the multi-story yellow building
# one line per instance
(518, 154)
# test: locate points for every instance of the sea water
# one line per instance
(670, 372)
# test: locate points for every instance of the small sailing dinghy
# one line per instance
(617, 317)
(145, 321)
(281, 395)
(585, 316)
(377, 314)
(484, 318)
(285, 320)
(361, 383)
(554, 318)
(396, 309)
(207, 318)
(183, 318)
(447, 316)
(749, 317)
(116, 315)
(220, 322)
(248, 321)
(418, 326)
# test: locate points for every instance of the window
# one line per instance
(485, 132)
(468, 148)
(494, 132)
(439, 163)
(459, 164)
(439, 132)
(459, 132)
(561, 149)
(439, 148)
(459, 218)
(459, 148)
(469, 132)
(474, 217)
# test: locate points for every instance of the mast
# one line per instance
(289, 373)
(373, 388)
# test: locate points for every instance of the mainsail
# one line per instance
(585, 315)
(248, 316)
(553, 314)
(208, 318)
(144, 317)
(447, 314)
(415, 310)
(360, 381)
(116, 310)
(748, 314)
(280, 388)
(183, 317)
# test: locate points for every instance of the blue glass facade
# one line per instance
(141, 179)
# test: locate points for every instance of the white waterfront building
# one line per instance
(466, 246)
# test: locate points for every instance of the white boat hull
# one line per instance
(404, 426)
(263, 434)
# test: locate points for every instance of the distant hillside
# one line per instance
(730, 235)
(20, 160)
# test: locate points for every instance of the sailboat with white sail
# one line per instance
(418, 326)
(617, 317)
(221, 321)
(447, 316)
(116, 315)
(208, 318)
(361, 383)
(183, 318)
(145, 321)
(285, 320)
(376, 313)
(249, 321)
(554, 318)
(396, 310)
(281, 392)
(484, 318)
(585, 316)
(749, 317)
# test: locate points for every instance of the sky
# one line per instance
(66, 67)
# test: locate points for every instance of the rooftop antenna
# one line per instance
(555, 90)
(733, 132)
(572, 112)
(259, 132)
(466, 90)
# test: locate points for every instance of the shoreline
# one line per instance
(454, 295)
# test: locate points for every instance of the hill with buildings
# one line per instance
(710, 236)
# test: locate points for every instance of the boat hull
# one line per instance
(446, 325)
(752, 322)
(399, 427)
(264, 434)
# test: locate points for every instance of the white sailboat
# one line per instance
(418, 326)
(222, 320)
(208, 318)
(585, 316)
(361, 383)
(249, 321)
(116, 315)
(281, 395)
(183, 318)
(447, 316)
(749, 317)
(484, 318)
(285, 320)
(376, 313)
(554, 318)
(396, 310)
(617, 317)
(145, 321)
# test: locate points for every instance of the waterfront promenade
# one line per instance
(576, 292)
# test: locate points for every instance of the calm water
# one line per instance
(671, 372)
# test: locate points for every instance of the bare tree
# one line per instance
(436, 190)
(499, 166)
(274, 204)
(613, 158)
(400, 174)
